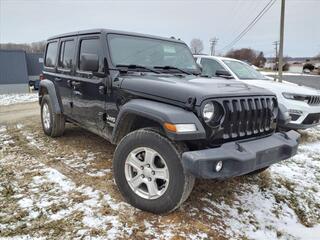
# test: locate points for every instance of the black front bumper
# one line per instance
(241, 157)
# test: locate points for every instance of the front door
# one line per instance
(88, 91)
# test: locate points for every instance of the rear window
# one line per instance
(51, 54)
(66, 54)
(89, 46)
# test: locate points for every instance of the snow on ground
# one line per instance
(68, 193)
(84, 163)
(8, 99)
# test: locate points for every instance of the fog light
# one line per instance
(219, 166)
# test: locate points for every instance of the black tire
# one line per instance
(57, 121)
(257, 171)
(180, 184)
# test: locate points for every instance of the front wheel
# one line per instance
(149, 173)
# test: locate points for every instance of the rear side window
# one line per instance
(66, 54)
(51, 54)
(89, 46)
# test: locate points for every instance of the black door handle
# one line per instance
(57, 79)
(75, 83)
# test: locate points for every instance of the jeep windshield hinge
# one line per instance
(190, 103)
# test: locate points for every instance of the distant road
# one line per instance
(14, 88)
(16, 112)
(310, 81)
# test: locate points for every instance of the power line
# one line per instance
(251, 24)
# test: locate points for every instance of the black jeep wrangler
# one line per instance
(170, 124)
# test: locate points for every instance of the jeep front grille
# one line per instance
(247, 117)
(314, 100)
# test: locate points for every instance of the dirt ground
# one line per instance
(63, 187)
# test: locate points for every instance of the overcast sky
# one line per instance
(35, 20)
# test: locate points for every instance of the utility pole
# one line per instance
(213, 43)
(276, 43)
(281, 39)
(276, 59)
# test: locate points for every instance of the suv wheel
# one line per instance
(53, 124)
(149, 173)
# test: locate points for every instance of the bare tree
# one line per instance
(244, 54)
(35, 47)
(196, 46)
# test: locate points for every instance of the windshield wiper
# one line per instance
(174, 68)
(134, 66)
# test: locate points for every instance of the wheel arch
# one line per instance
(48, 87)
(140, 113)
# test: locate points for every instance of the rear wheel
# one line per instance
(148, 172)
(53, 124)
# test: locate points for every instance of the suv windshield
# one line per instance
(243, 70)
(149, 52)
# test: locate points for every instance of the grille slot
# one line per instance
(247, 116)
(314, 100)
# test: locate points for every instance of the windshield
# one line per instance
(243, 70)
(149, 52)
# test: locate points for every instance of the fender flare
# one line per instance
(283, 115)
(160, 113)
(50, 87)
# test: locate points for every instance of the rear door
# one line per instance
(88, 91)
(65, 72)
(50, 60)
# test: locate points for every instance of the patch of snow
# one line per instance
(5, 139)
(58, 178)
(84, 164)
(33, 142)
(25, 203)
(258, 214)
(8, 99)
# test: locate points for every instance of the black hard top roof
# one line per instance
(106, 31)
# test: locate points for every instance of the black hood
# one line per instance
(181, 88)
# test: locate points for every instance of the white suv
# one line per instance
(302, 103)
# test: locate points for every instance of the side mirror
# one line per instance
(223, 73)
(89, 62)
(199, 66)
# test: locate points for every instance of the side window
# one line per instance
(89, 46)
(51, 54)
(66, 54)
(210, 66)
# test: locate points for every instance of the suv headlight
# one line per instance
(208, 112)
(294, 96)
(212, 112)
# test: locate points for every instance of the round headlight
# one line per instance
(208, 111)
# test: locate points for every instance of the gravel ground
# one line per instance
(64, 188)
